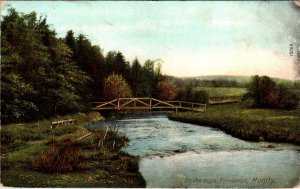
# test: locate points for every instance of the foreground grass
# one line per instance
(248, 124)
(105, 167)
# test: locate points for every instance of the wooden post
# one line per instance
(192, 105)
(176, 111)
(150, 103)
(180, 103)
(134, 102)
(118, 103)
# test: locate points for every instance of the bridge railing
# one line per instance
(188, 105)
(146, 103)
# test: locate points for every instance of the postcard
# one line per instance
(156, 94)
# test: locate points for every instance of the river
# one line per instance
(175, 154)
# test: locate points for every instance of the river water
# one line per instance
(175, 154)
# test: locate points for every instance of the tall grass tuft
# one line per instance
(62, 156)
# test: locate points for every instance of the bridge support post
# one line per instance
(134, 104)
(176, 111)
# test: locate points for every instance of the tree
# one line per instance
(24, 57)
(115, 86)
(187, 94)
(165, 91)
(39, 77)
(90, 59)
(148, 78)
(267, 94)
(200, 97)
(263, 91)
(136, 78)
(71, 41)
(287, 99)
(65, 87)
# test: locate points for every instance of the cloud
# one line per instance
(229, 23)
(237, 61)
(193, 38)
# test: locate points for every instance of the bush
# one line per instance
(193, 96)
(165, 90)
(267, 94)
(62, 156)
(132, 165)
(201, 97)
(115, 86)
(287, 99)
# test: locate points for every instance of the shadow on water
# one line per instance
(175, 154)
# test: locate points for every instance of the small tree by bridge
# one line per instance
(165, 90)
(115, 86)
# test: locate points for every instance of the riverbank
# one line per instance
(248, 124)
(26, 147)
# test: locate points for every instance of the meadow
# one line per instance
(26, 150)
(247, 123)
(223, 91)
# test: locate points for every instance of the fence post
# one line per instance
(150, 103)
(118, 103)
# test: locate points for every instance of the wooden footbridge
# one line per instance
(147, 104)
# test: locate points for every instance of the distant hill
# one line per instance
(242, 79)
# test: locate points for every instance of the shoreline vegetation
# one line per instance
(251, 124)
(34, 156)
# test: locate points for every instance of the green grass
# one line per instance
(106, 167)
(248, 124)
(223, 91)
(243, 79)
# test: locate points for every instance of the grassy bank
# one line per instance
(26, 150)
(223, 91)
(248, 124)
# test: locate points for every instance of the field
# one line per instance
(248, 124)
(222, 91)
(243, 79)
(105, 167)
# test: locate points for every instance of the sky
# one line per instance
(192, 38)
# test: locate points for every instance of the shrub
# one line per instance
(132, 165)
(287, 99)
(115, 86)
(267, 94)
(63, 156)
(201, 97)
(165, 90)
(193, 96)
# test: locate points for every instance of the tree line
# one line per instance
(266, 93)
(43, 75)
(216, 82)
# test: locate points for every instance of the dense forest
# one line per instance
(44, 75)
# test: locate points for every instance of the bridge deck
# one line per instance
(147, 104)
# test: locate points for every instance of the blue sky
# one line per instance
(192, 38)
